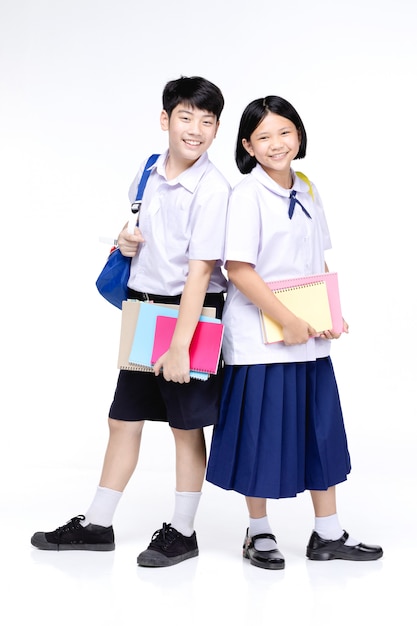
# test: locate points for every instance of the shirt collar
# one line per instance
(190, 177)
(299, 185)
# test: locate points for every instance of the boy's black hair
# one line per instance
(253, 115)
(198, 92)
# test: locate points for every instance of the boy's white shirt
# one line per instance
(190, 225)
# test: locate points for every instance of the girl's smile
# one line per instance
(274, 143)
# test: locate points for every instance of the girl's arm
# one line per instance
(248, 281)
(175, 363)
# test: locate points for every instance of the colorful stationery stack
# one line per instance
(314, 298)
(146, 334)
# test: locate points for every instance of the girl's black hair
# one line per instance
(196, 91)
(253, 115)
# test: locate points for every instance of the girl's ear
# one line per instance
(248, 147)
(164, 120)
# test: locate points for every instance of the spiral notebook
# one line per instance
(205, 346)
(130, 314)
(314, 298)
(144, 335)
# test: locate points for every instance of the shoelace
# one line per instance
(164, 536)
(73, 524)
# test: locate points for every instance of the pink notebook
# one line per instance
(205, 345)
(332, 284)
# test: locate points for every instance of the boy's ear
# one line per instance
(248, 147)
(164, 120)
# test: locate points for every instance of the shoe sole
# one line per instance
(92, 547)
(159, 560)
(329, 556)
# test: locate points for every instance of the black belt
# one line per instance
(152, 297)
(211, 299)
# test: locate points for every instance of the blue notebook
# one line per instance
(143, 340)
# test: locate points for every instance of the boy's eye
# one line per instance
(208, 123)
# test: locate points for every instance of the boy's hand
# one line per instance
(174, 366)
(129, 243)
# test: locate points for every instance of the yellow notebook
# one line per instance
(309, 302)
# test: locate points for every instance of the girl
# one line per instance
(281, 427)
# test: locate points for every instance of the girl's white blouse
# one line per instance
(260, 232)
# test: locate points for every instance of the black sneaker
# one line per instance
(168, 547)
(73, 536)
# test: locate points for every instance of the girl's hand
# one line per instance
(297, 332)
(174, 366)
(129, 243)
(329, 334)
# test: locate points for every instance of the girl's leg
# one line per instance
(329, 540)
(324, 502)
(256, 507)
(326, 522)
(261, 551)
(259, 523)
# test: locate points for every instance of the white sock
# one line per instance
(258, 527)
(186, 505)
(103, 507)
(329, 528)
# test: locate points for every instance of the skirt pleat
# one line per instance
(280, 430)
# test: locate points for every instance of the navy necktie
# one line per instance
(293, 202)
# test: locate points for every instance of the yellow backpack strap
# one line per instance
(306, 180)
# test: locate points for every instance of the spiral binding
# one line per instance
(296, 287)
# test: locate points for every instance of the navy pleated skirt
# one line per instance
(280, 430)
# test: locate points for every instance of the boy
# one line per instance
(176, 258)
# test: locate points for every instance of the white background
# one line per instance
(81, 85)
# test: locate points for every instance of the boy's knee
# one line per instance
(123, 426)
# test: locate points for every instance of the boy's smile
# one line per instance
(191, 133)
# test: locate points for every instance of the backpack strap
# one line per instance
(306, 180)
(135, 208)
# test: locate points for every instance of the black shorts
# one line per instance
(144, 396)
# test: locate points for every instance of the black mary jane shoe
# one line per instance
(319, 549)
(267, 559)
